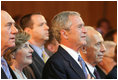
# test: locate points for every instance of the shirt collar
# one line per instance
(38, 49)
(91, 68)
(73, 53)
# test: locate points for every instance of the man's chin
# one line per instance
(84, 42)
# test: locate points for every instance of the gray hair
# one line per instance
(61, 21)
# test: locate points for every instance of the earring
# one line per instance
(13, 57)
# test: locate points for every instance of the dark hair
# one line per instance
(103, 20)
(26, 21)
(109, 35)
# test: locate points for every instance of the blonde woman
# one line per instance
(20, 56)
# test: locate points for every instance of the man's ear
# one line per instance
(28, 30)
(64, 33)
(50, 47)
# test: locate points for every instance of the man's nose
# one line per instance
(14, 30)
(84, 30)
(103, 49)
(46, 27)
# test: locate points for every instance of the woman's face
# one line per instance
(24, 54)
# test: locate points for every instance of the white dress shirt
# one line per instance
(91, 68)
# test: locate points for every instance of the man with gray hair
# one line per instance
(94, 50)
(66, 63)
(8, 32)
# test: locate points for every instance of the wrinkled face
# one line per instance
(96, 48)
(23, 54)
(40, 28)
(8, 31)
(77, 33)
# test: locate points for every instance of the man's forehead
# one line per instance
(6, 17)
(98, 37)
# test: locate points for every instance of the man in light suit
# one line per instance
(8, 32)
(68, 29)
(36, 25)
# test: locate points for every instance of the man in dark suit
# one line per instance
(8, 32)
(36, 25)
(68, 29)
(94, 50)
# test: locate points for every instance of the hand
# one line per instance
(89, 77)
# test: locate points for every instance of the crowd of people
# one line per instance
(66, 50)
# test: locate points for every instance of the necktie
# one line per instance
(83, 65)
(6, 69)
(45, 57)
(96, 74)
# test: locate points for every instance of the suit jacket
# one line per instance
(3, 75)
(62, 66)
(102, 74)
(113, 73)
(36, 66)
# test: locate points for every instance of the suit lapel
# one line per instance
(74, 65)
(12, 73)
(3, 75)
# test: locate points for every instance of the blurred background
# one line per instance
(91, 11)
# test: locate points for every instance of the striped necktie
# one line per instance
(45, 56)
(83, 65)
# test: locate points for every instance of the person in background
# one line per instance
(8, 32)
(19, 56)
(107, 68)
(36, 25)
(103, 26)
(51, 46)
(94, 51)
(111, 36)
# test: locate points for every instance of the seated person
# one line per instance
(51, 45)
(111, 36)
(19, 56)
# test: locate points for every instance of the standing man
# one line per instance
(8, 32)
(66, 63)
(36, 25)
(95, 50)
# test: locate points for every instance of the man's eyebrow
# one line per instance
(10, 23)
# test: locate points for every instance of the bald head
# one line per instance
(92, 34)
(5, 17)
(95, 46)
